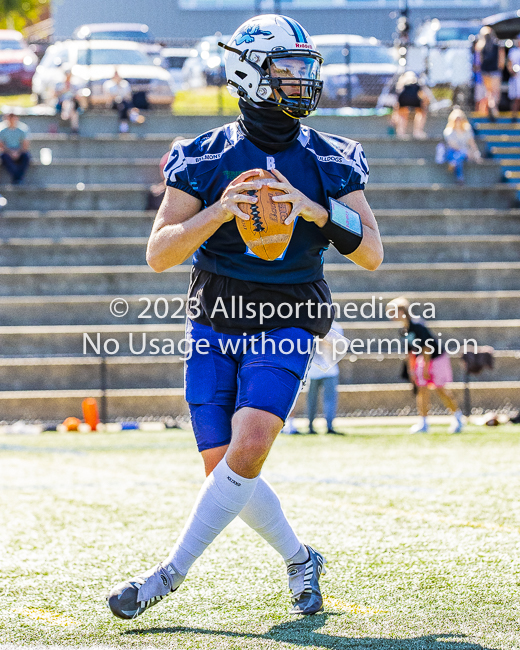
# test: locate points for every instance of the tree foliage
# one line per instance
(17, 14)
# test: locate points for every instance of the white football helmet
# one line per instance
(272, 59)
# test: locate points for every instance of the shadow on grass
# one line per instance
(302, 633)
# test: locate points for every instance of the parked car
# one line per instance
(355, 70)
(17, 63)
(442, 50)
(137, 32)
(93, 62)
(173, 59)
(438, 32)
(206, 66)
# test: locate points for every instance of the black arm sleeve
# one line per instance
(339, 229)
(344, 241)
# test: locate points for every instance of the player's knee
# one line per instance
(253, 444)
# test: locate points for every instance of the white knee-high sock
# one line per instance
(264, 514)
(222, 496)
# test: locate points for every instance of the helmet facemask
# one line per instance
(288, 80)
(291, 82)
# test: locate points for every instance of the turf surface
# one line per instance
(421, 533)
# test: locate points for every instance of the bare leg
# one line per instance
(402, 121)
(254, 432)
(423, 401)
(419, 123)
(212, 457)
(447, 399)
(495, 85)
(490, 84)
(74, 120)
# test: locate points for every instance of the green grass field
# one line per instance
(421, 533)
(200, 101)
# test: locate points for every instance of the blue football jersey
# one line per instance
(318, 164)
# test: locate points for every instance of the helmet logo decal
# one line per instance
(248, 35)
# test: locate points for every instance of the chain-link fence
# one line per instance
(367, 76)
(362, 75)
(357, 73)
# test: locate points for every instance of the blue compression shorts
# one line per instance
(227, 372)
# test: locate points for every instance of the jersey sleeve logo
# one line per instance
(248, 36)
(176, 163)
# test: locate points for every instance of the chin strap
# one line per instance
(289, 115)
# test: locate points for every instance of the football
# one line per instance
(265, 233)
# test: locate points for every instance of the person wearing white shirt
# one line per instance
(118, 95)
(327, 381)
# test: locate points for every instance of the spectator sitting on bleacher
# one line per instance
(69, 100)
(513, 65)
(460, 144)
(118, 96)
(14, 147)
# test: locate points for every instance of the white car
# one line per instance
(355, 71)
(137, 32)
(442, 49)
(94, 62)
(205, 65)
(173, 60)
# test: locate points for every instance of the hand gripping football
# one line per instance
(265, 233)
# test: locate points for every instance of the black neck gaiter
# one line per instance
(270, 130)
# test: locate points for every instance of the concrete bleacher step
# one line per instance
(105, 122)
(434, 249)
(500, 140)
(513, 163)
(504, 117)
(106, 196)
(154, 146)
(136, 339)
(513, 152)
(123, 146)
(101, 280)
(132, 196)
(130, 372)
(438, 196)
(138, 223)
(425, 170)
(76, 223)
(95, 310)
(381, 369)
(147, 171)
(491, 128)
(94, 171)
(378, 399)
(448, 221)
(83, 251)
(164, 122)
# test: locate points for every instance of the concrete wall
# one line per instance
(167, 20)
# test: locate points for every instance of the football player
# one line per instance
(239, 391)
